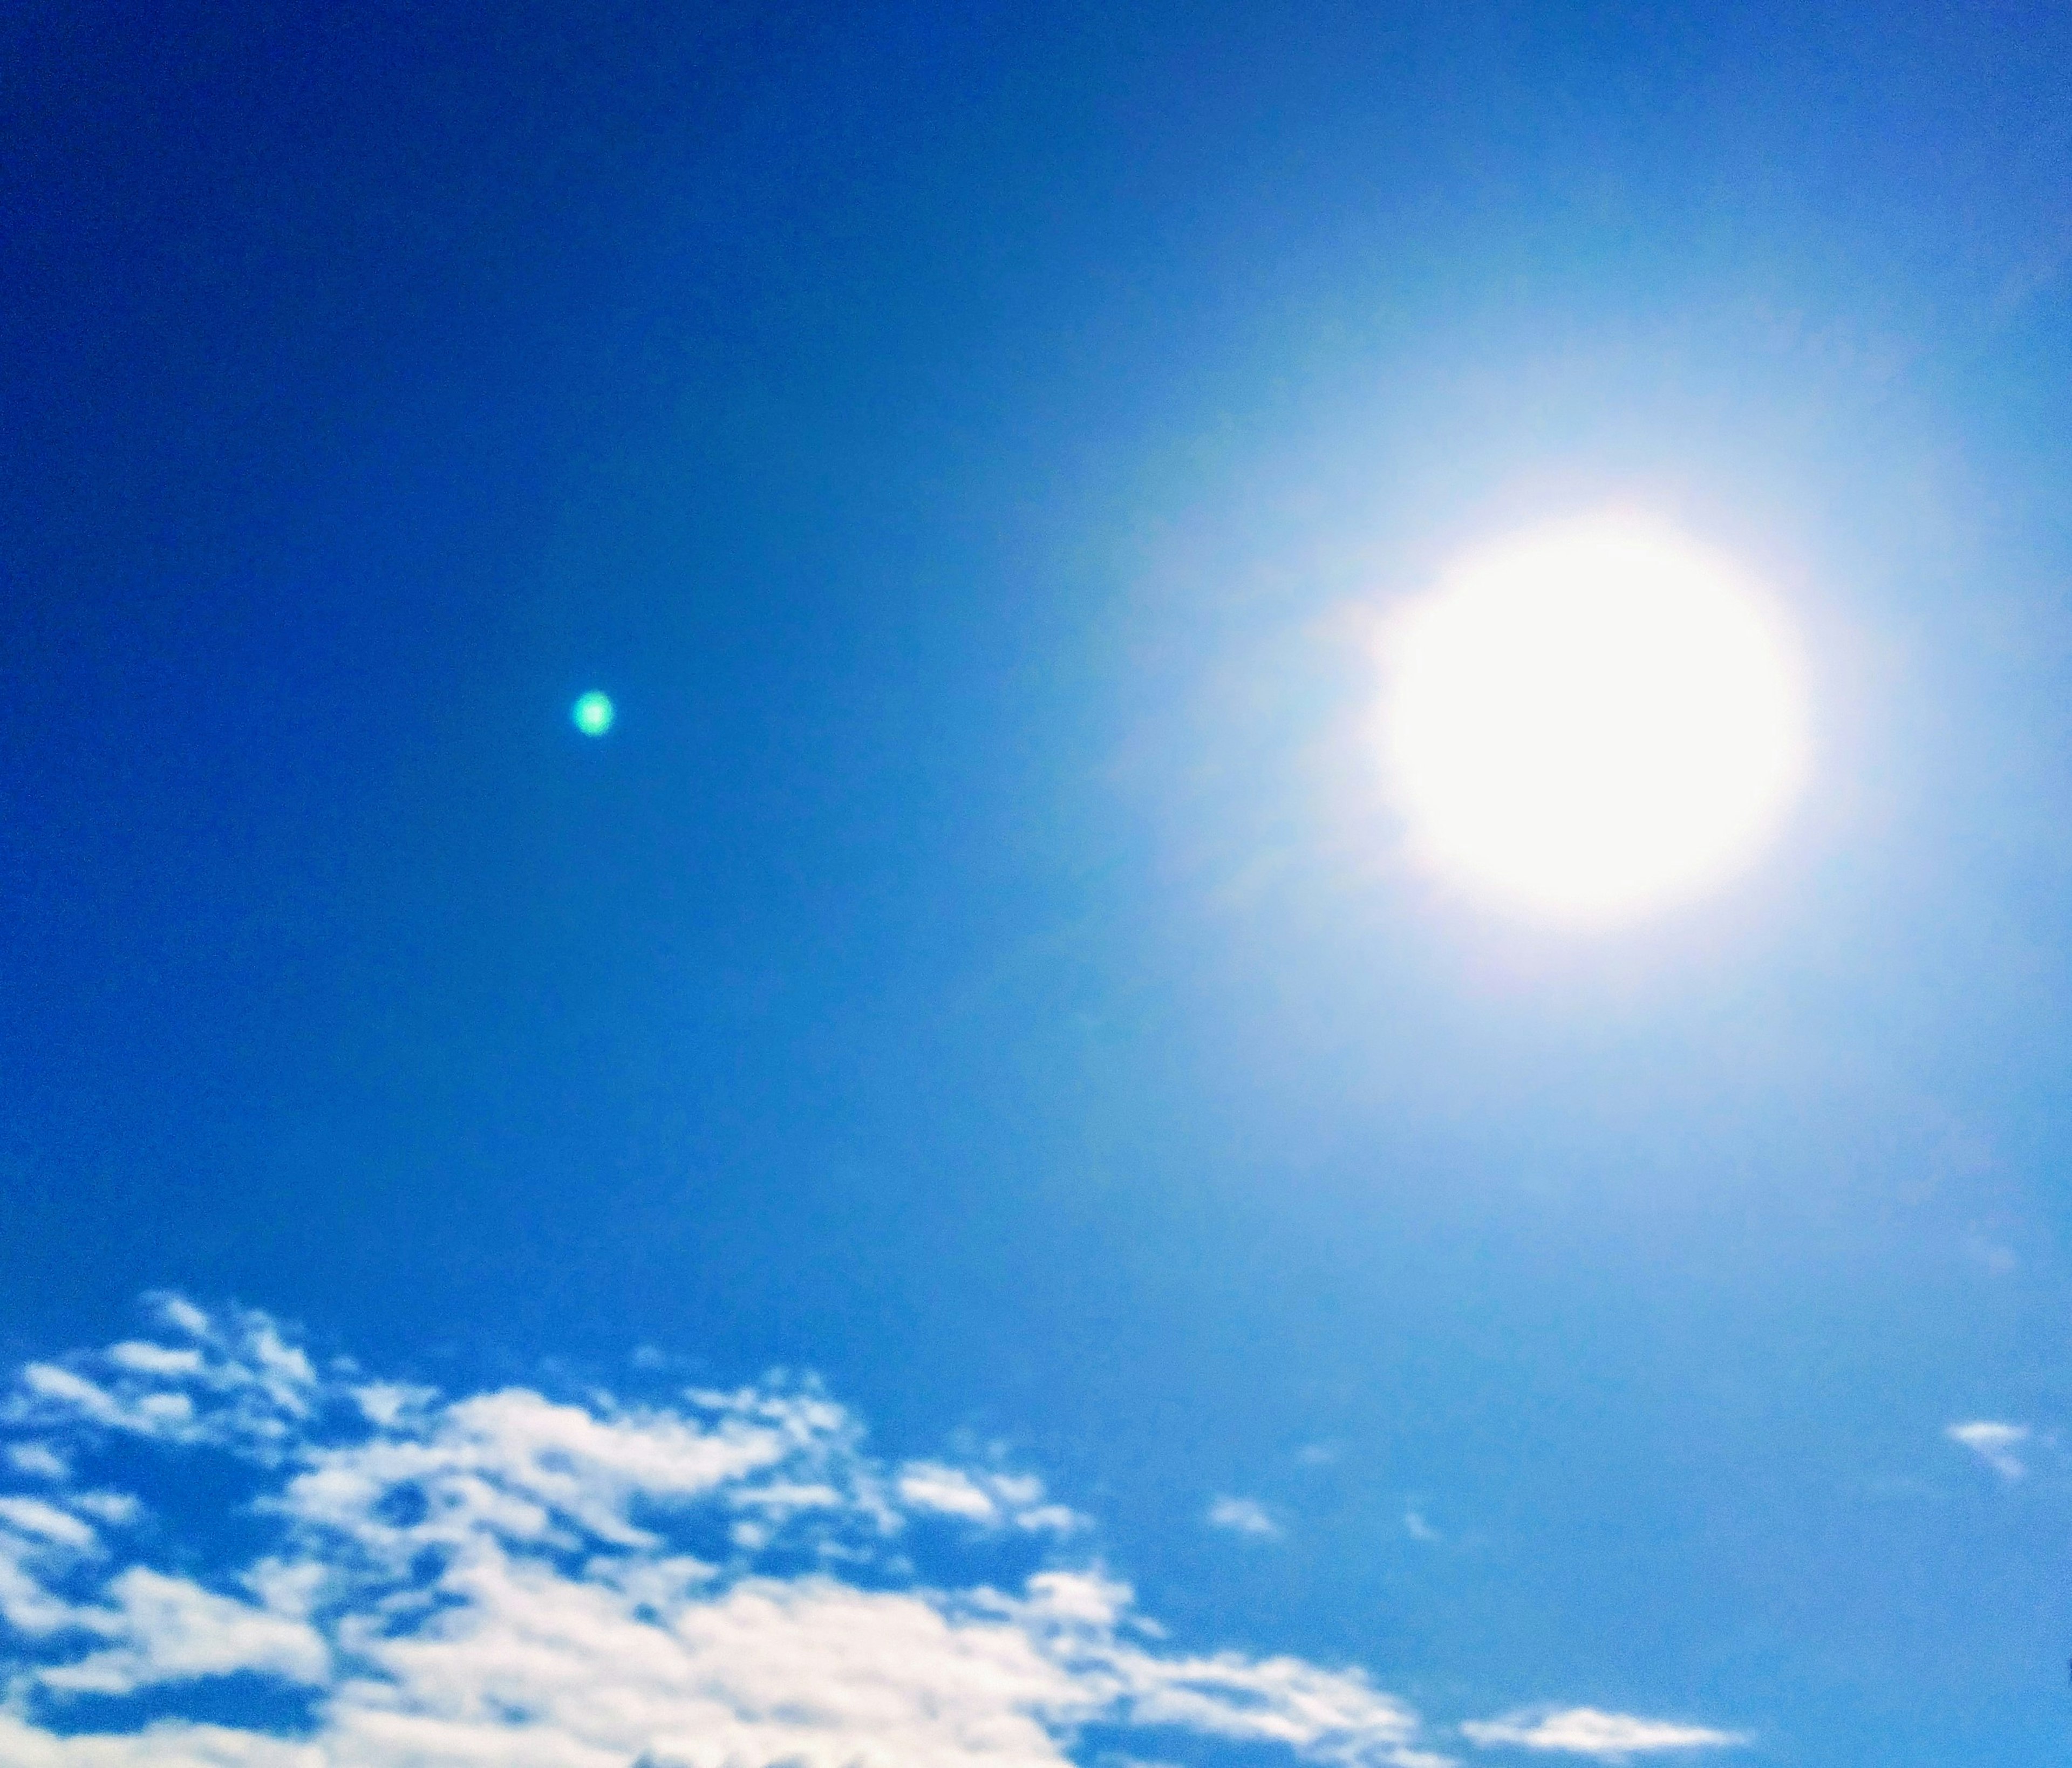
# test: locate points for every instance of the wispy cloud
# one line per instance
(1243, 1516)
(450, 1581)
(1997, 1259)
(1994, 1444)
(1587, 1731)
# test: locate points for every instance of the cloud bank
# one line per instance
(376, 1575)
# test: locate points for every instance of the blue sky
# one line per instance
(959, 1045)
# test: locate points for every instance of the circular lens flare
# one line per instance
(1592, 720)
(593, 714)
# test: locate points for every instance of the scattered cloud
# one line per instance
(38, 1459)
(449, 1582)
(39, 1521)
(1415, 1526)
(987, 1496)
(1994, 1444)
(1243, 1516)
(1316, 1454)
(1586, 1731)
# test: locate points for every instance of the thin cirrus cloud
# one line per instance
(1245, 1516)
(1586, 1731)
(1994, 1444)
(502, 1577)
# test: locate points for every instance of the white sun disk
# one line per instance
(1592, 720)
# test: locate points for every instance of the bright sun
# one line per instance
(1593, 719)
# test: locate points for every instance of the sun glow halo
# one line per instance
(1593, 719)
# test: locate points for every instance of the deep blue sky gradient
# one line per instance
(955, 436)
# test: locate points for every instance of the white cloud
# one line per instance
(983, 1496)
(163, 1745)
(506, 1578)
(1586, 1731)
(1417, 1527)
(1243, 1516)
(155, 1359)
(32, 1517)
(236, 1376)
(1994, 1444)
(171, 1630)
(38, 1459)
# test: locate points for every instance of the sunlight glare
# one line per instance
(1593, 719)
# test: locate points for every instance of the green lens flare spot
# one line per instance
(593, 714)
